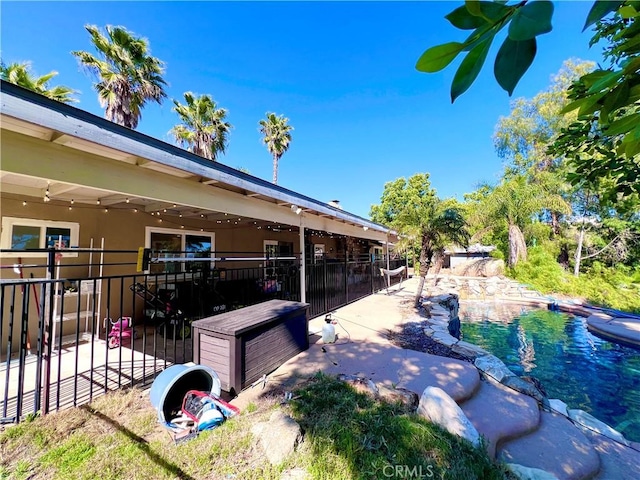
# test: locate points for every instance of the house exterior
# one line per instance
(99, 192)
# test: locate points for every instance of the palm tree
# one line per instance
(277, 138)
(128, 76)
(415, 211)
(515, 201)
(20, 74)
(203, 129)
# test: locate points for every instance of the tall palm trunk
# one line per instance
(425, 264)
(517, 245)
(275, 169)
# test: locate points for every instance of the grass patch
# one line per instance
(352, 436)
(348, 435)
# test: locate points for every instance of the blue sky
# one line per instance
(342, 72)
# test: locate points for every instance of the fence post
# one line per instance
(325, 293)
(371, 258)
(346, 276)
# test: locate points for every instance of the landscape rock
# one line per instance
(278, 437)
(468, 350)
(295, 474)
(522, 386)
(558, 406)
(438, 407)
(587, 420)
(391, 395)
(444, 338)
(529, 473)
(360, 384)
(493, 366)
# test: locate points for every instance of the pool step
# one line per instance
(500, 413)
(557, 446)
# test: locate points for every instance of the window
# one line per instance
(318, 252)
(28, 233)
(168, 243)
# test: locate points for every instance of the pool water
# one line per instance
(579, 368)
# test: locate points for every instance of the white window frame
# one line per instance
(179, 231)
(318, 252)
(265, 244)
(7, 230)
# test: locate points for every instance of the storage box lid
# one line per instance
(239, 321)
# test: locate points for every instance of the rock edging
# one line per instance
(443, 310)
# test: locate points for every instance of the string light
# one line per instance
(127, 200)
(72, 201)
(180, 215)
(46, 193)
(106, 210)
(98, 202)
(24, 204)
(174, 205)
(135, 210)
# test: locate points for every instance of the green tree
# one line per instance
(20, 74)
(128, 76)
(610, 95)
(203, 130)
(276, 133)
(513, 204)
(523, 138)
(415, 211)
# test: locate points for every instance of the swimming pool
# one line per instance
(584, 371)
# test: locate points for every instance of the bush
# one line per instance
(615, 287)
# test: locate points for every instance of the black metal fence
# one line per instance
(66, 339)
(332, 283)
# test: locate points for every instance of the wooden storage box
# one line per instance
(242, 345)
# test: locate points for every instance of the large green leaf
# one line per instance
(438, 57)
(473, 6)
(469, 69)
(623, 125)
(599, 10)
(462, 19)
(512, 61)
(531, 20)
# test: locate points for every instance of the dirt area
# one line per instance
(411, 336)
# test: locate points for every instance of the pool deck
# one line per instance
(516, 428)
(618, 329)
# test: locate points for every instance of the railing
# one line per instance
(66, 339)
(332, 283)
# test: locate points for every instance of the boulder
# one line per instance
(444, 338)
(438, 407)
(493, 366)
(278, 437)
(406, 397)
(529, 473)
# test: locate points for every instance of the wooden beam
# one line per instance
(208, 181)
